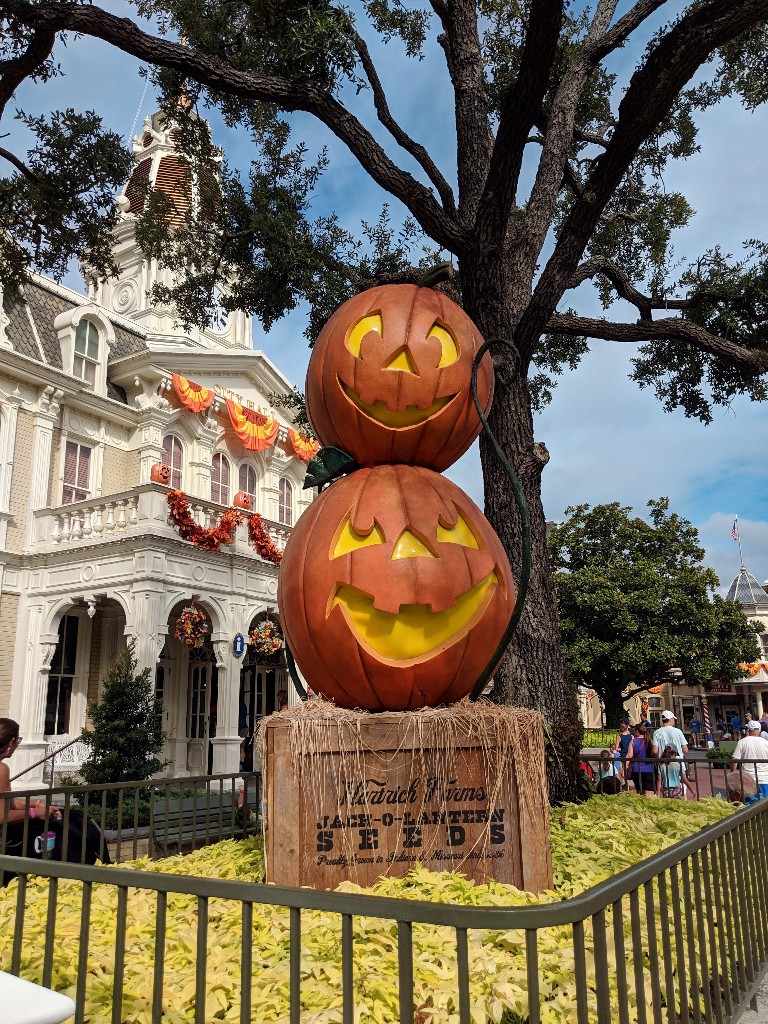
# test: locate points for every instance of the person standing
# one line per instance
(736, 726)
(669, 735)
(753, 749)
(643, 769)
(695, 726)
(672, 780)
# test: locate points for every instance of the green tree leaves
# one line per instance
(635, 601)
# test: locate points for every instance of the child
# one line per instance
(672, 778)
(609, 776)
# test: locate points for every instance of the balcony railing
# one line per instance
(141, 511)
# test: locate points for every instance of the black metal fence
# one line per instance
(680, 938)
(159, 818)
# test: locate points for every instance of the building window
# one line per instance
(86, 357)
(61, 677)
(220, 479)
(77, 472)
(173, 458)
(285, 510)
(248, 482)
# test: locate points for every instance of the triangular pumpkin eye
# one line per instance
(359, 331)
(449, 349)
(350, 540)
(460, 533)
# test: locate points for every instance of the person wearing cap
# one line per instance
(752, 748)
(669, 736)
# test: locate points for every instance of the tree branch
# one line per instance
(647, 101)
(288, 95)
(519, 111)
(474, 140)
(417, 151)
(14, 71)
(18, 164)
(753, 361)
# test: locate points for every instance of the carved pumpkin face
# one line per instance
(389, 378)
(242, 500)
(394, 590)
(160, 474)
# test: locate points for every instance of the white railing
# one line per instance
(139, 512)
(102, 519)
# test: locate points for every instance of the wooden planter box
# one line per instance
(382, 794)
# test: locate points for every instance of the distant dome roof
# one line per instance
(747, 591)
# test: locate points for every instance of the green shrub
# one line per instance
(722, 755)
(599, 737)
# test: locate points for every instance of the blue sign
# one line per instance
(238, 645)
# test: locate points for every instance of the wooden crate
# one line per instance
(378, 794)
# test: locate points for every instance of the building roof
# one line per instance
(747, 591)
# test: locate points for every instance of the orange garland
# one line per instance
(208, 539)
(212, 539)
(259, 537)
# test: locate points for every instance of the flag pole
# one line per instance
(737, 537)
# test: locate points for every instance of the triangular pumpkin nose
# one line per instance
(401, 361)
(409, 546)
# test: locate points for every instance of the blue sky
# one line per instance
(608, 441)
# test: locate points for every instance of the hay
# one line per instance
(430, 741)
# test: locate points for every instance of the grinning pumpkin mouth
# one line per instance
(396, 418)
(415, 632)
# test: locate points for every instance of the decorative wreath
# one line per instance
(258, 535)
(209, 539)
(265, 638)
(192, 627)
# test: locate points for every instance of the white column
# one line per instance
(148, 628)
(37, 654)
(8, 435)
(153, 424)
(226, 743)
(46, 418)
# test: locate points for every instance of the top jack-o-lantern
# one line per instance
(394, 590)
(389, 378)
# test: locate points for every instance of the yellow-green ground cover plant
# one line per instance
(590, 843)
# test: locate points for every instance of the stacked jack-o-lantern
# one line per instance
(394, 589)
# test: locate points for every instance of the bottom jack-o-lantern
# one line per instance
(394, 590)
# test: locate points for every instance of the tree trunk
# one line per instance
(533, 674)
(613, 705)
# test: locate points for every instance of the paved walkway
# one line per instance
(761, 1017)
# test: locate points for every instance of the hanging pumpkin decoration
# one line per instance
(389, 378)
(242, 500)
(160, 474)
(394, 590)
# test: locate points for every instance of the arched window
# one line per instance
(285, 511)
(173, 457)
(86, 357)
(248, 482)
(220, 479)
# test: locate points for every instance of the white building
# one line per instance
(88, 557)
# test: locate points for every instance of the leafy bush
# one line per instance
(599, 738)
(722, 755)
(590, 842)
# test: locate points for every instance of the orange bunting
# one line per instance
(255, 430)
(752, 668)
(192, 396)
(305, 447)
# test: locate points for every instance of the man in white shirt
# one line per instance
(669, 735)
(753, 748)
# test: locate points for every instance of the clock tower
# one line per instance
(158, 165)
